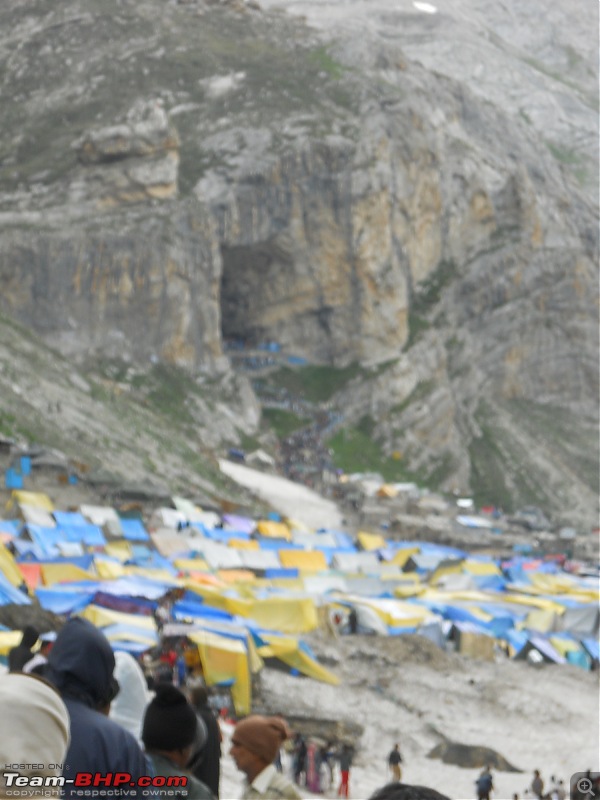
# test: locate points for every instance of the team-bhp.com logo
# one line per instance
(120, 783)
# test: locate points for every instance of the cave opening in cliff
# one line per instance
(255, 287)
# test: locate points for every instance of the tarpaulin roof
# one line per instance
(133, 530)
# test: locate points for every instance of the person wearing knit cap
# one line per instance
(255, 743)
(169, 734)
(36, 723)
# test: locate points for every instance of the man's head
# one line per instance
(255, 743)
(170, 725)
(402, 791)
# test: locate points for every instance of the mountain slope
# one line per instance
(176, 179)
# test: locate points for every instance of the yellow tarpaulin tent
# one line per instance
(34, 499)
(244, 544)
(402, 556)
(441, 572)
(224, 660)
(101, 617)
(108, 570)
(191, 565)
(475, 567)
(290, 651)
(370, 541)
(304, 560)
(9, 567)
(274, 530)
(8, 640)
(120, 549)
(65, 573)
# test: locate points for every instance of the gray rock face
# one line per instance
(350, 203)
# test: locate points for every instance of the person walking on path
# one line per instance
(345, 765)
(485, 784)
(537, 784)
(394, 761)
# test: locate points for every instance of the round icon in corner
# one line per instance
(585, 786)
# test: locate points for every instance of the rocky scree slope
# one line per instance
(175, 176)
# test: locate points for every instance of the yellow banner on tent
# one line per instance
(370, 541)
(9, 567)
(224, 660)
(274, 530)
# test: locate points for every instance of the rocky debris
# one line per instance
(471, 756)
(131, 162)
(17, 617)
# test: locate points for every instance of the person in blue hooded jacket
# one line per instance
(81, 665)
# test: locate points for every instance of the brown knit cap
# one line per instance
(263, 736)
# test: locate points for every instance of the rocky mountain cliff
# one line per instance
(174, 176)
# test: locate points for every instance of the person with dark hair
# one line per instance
(484, 784)
(254, 744)
(300, 753)
(353, 620)
(206, 760)
(402, 791)
(169, 732)
(19, 656)
(537, 784)
(81, 665)
(345, 757)
(394, 761)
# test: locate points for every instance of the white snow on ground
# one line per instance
(290, 499)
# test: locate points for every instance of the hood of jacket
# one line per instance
(82, 662)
